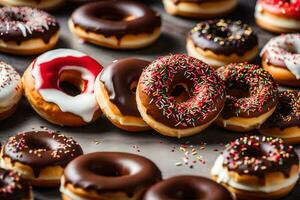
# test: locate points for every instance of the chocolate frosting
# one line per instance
(259, 155)
(112, 172)
(205, 91)
(224, 37)
(251, 91)
(187, 187)
(12, 186)
(287, 113)
(118, 78)
(113, 18)
(19, 24)
(40, 149)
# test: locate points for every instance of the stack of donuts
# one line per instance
(176, 95)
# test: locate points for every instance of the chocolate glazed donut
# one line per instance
(27, 31)
(109, 175)
(115, 92)
(187, 187)
(113, 21)
(14, 187)
(39, 151)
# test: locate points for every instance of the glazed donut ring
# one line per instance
(107, 176)
(44, 82)
(39, 156)
(220, 42)
(251, 97)
(187, 187)
(41, 4)
(199, 8)
(279, 16)
(281, 58)
(27, 31)
(120, 24)
(115, 93)
(179, 96)
(257, 167)
(11, 90)
(285, 122)
(13, 186)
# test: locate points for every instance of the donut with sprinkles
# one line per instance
(220, 42)
(257, 167)
(27, 31)
(252, 96)
(285, 121)
(281, 16)
(40, 156)
(11, 90)
(178, 95)
(13, 186)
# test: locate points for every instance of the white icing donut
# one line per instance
(84, 104)
(10, 87)
(284, 50)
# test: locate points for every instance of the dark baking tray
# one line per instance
(102, 136)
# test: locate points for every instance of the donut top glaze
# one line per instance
(10, 84)
(224, 37)
(40, 149)
(251, 91)
(13, 187)
(116, 18)
(206, 91)
(259, 155)
(284, 51)
(23, 23)
(46, 70)
(106, 172)
(187, 187)
(286, 8)
(118, 78)
(287, 113)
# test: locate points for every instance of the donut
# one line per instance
(281, 16)
(179, 96)
(13, 186)
(199, 8)
(187, 187)
(59, 85)
(108, 175)
(257, 167)
(40, 156)
(285, 121)
(220, 42)
(281, 58)
(252, 96)
(118, 24)
(41, 4)
(115, 91)
(27, 31)
(11, 90)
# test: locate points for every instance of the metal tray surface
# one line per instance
(167, 153)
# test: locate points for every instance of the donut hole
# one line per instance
(284, 107)
(108, 169)
(71, 83)
(37, 144)
(133, 86)
(113, 14)
(238, 90)
(183, 192)
(180, 92)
